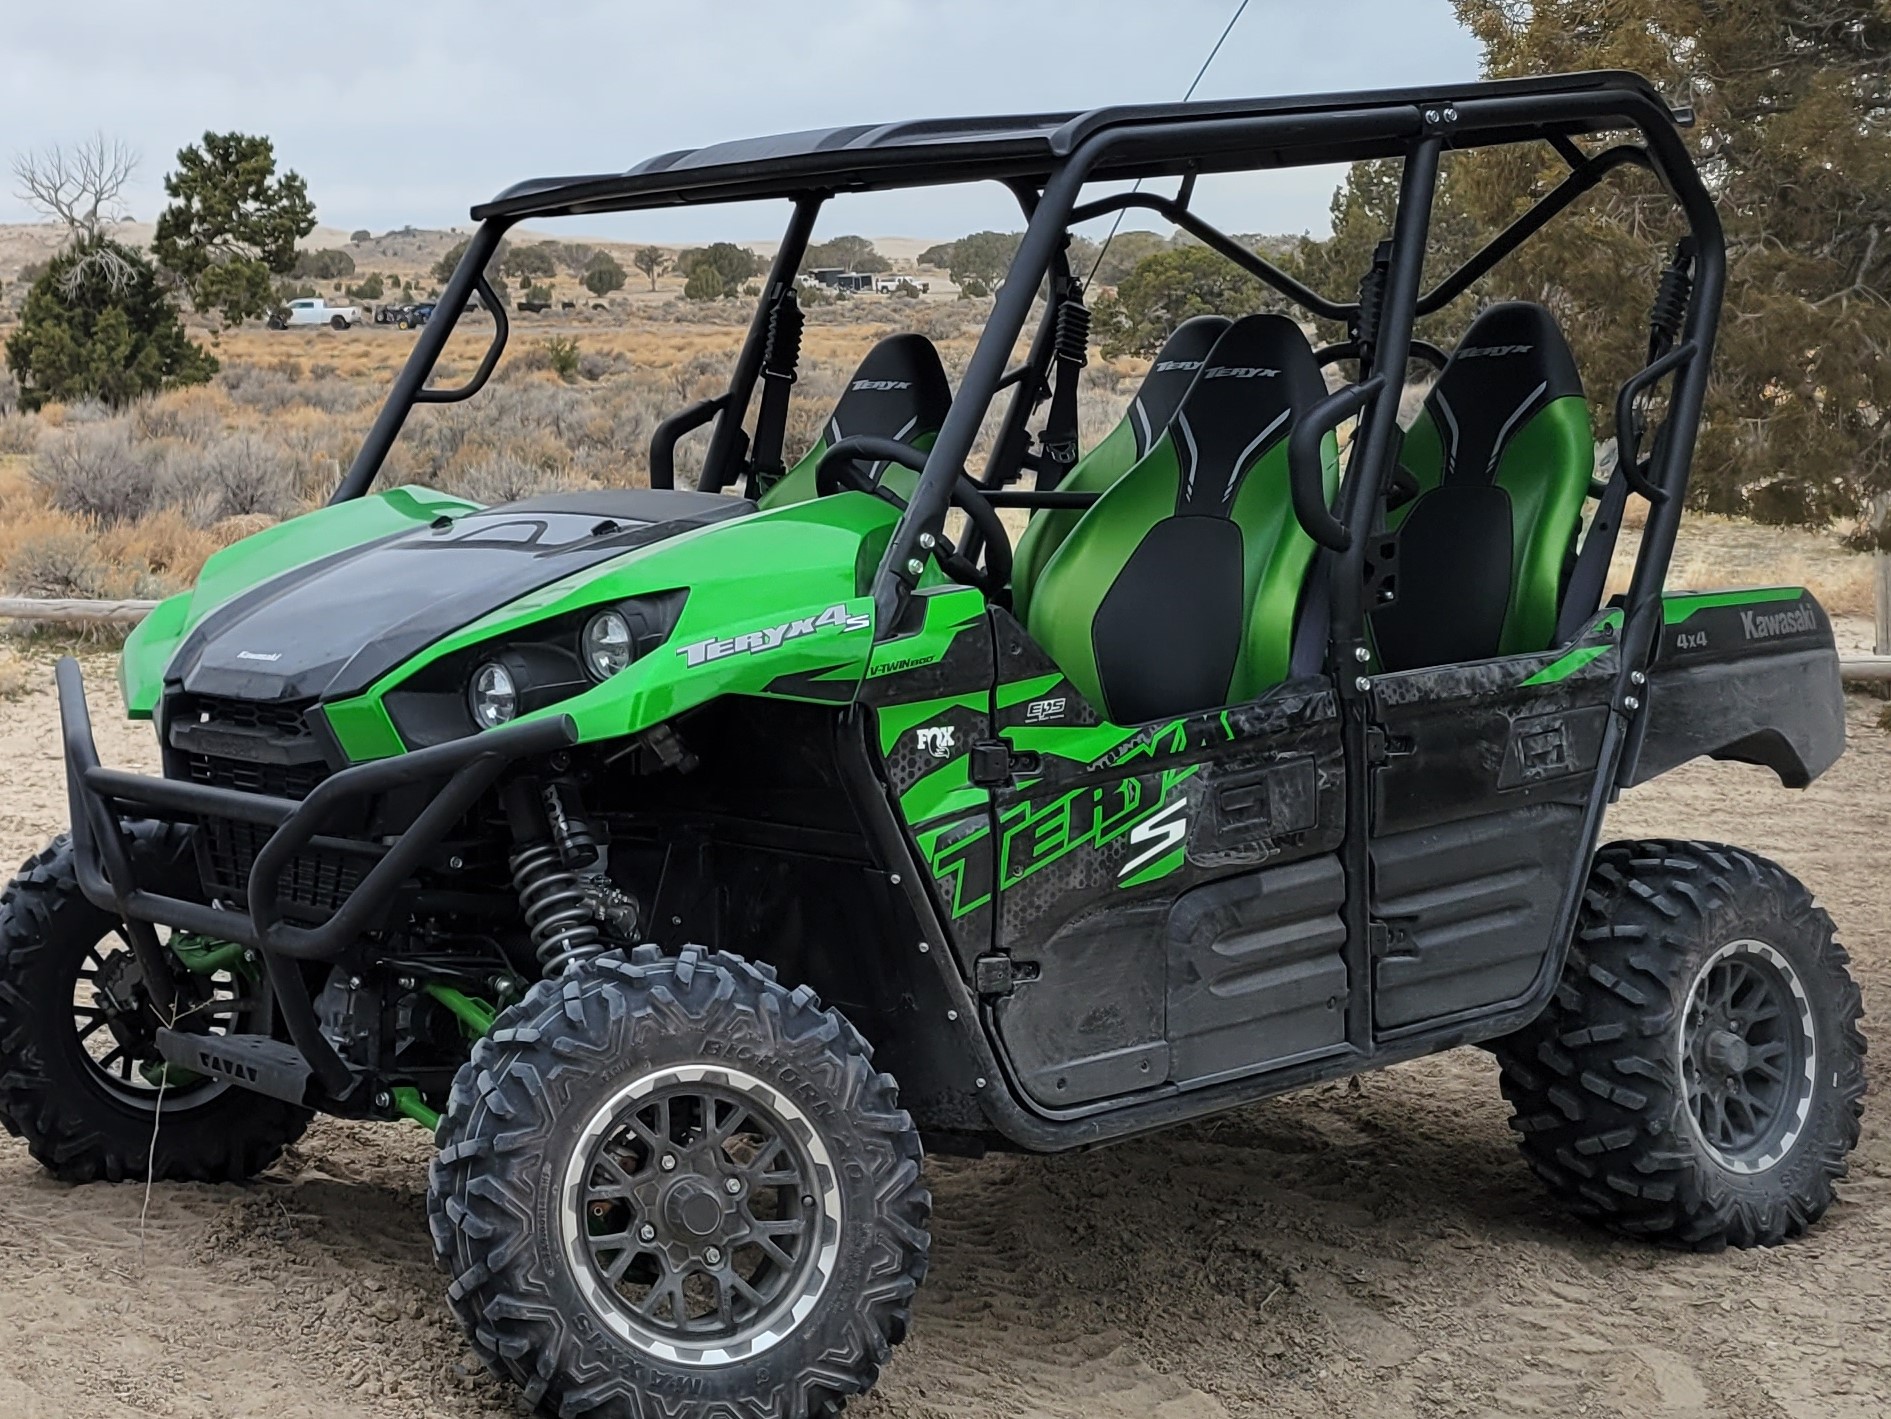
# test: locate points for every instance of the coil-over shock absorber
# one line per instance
(558, 911)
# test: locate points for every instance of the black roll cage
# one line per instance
(1046, 160)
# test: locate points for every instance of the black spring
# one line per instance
(1671, 298)
(577, 845)
(557, 911)
(781, 354)
(1073, 332)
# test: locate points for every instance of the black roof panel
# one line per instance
(1012, 147)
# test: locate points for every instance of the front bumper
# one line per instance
(106, 803)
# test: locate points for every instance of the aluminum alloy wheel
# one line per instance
(700, 1214)
(1748, 1056)
(112, 1024)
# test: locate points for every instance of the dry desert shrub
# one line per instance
(19, 433)
(240, 473)
(93, 471)
(505, 477)
(65, 562)
(165, 549)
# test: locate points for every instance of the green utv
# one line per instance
(637, 841)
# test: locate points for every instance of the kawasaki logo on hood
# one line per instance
(768, 638)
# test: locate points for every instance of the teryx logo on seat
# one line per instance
(1238, 372)
(768, 638)
(1492, 352)
(881, 385)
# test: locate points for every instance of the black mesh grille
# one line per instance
(261, 748)
(276, 780)
(283, 718)
(315, 882)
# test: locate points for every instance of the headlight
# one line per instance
(492, 696)
(607, 644)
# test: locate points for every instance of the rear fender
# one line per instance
(1746, 676)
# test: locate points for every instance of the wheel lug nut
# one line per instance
(646, 1233)
(667, 1162)
(713, 1255)
(732, 1185)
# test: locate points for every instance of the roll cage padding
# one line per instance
(1177, 589)
(1169, 377)
(1502, 454)
(900, 391)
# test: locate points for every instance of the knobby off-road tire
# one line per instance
(1698, 1077)
(580, 1141)
(81, 1121)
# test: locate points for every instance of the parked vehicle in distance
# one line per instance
(313, 310)
(414, 316)
(535, 307)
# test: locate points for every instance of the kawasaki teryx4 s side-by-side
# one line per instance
(686, 857)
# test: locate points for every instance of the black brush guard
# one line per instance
(106, 803)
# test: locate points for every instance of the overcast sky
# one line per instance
(408, 112)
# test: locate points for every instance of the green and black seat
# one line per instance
(1170, 375)
(1503, 455)
(1177, 590)
(899, 392)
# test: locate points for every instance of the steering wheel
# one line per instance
(842, 468)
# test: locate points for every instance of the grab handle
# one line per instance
(1306, 465)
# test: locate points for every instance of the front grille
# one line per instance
(315, 884)
(261, 748)
(275, 780)
(284, 718)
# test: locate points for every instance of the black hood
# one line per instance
(331, 628)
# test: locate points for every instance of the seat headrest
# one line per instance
(1258, 374)
(1512, 361)
(1170, 375)
(899, 391)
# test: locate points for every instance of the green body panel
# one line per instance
(1598, 640)
(1137, 779)
(775, 607)
(242, 565)
(1677, 606)
(1096, 472)
(1276, 553)
(947, 789)
(1545, 469)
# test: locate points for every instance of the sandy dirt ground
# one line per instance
(1373, 1249)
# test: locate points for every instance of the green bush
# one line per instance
(732, 264)
(360, 235)
(371, 289)
(1170, 287)
(327, 264)
(705, 283)
(561, 353)
(97, 342)
(529, 261)
(602, 274)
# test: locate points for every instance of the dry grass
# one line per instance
(1715, 552)
(15, 677)
(98, 504)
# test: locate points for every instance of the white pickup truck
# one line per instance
(315, 311)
